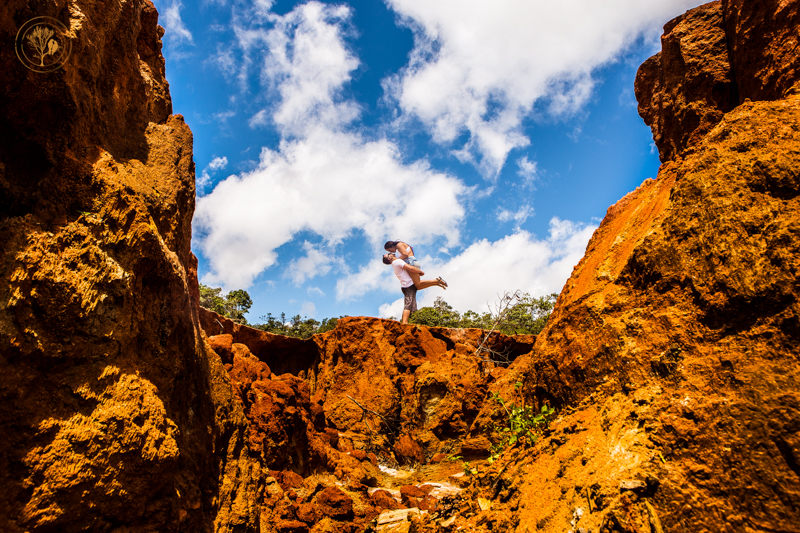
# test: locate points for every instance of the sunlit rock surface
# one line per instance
(671, 355)
(115, 412)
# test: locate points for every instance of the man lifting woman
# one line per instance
(406, 268)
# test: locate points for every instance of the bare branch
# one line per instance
(498, 357)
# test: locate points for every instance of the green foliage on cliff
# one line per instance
(523, 425)
(528, 315)
(233, 305)
(295, 327)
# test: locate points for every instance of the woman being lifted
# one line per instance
(405, 252)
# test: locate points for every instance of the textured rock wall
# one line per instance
(672, 352)
(115, 412)
(427, 383)
(713, 58)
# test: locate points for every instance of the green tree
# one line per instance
(237, 303)
(301, 328)
(440, 315)
(210, 299)
(234, 305)
(526, 315)
(529, 315)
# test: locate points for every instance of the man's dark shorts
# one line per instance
(410, 303)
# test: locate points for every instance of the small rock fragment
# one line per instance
(633, 485)
(484, 504)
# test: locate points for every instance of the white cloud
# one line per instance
(321, 179)
(315, 291)
(479, 275)
(528, 170)
(309, 57)
(308, 309)
(216, 164)
(519, 216)
(370, 277)
(309, 185)
(176, 30)
(314, 263)
(260, 119)
(479, 67)
(223, 116)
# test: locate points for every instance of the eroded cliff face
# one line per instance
(406, 393)
(671, 354)
(713, 58)
(115, 412)
(673, 349)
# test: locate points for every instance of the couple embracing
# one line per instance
(406, 268)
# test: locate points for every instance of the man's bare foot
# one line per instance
(443, 282)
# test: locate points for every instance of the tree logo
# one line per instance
(42, 44)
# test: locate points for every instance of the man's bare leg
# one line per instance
(406, 314)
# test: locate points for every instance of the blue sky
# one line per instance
(491, 136)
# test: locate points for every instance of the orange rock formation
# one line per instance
(115, 412)
(671, 355)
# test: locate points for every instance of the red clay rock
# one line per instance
(411, 491)
(116, 415)
(223, 345)
(424, 382)
(278, 407)
(384, 500)
(427, 489)
(674, 343)
(763, 41)
(291, 526)
(305, 512)
(334, 503)
(407, 450)
(358, 454)
(267, 347)
(699, 306)
(713, 58)
(685, 89)
(288, 479)
(413, 496)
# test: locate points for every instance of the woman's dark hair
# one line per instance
(390, 244)
(386, 260)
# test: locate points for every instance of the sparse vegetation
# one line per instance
(517, 313)
(524, 425)
(236, 303)
(301, 328)
(233, 305)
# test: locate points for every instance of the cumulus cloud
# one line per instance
(519, 261)
(308, 309)
(321, 178)
(309, 185)
(315, 291)
(314, 263)
(311, 64)
(479, 67)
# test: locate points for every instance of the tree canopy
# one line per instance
(233, 305)
(524, 315)
(521, 314)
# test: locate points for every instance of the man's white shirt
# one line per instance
(402, 274)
